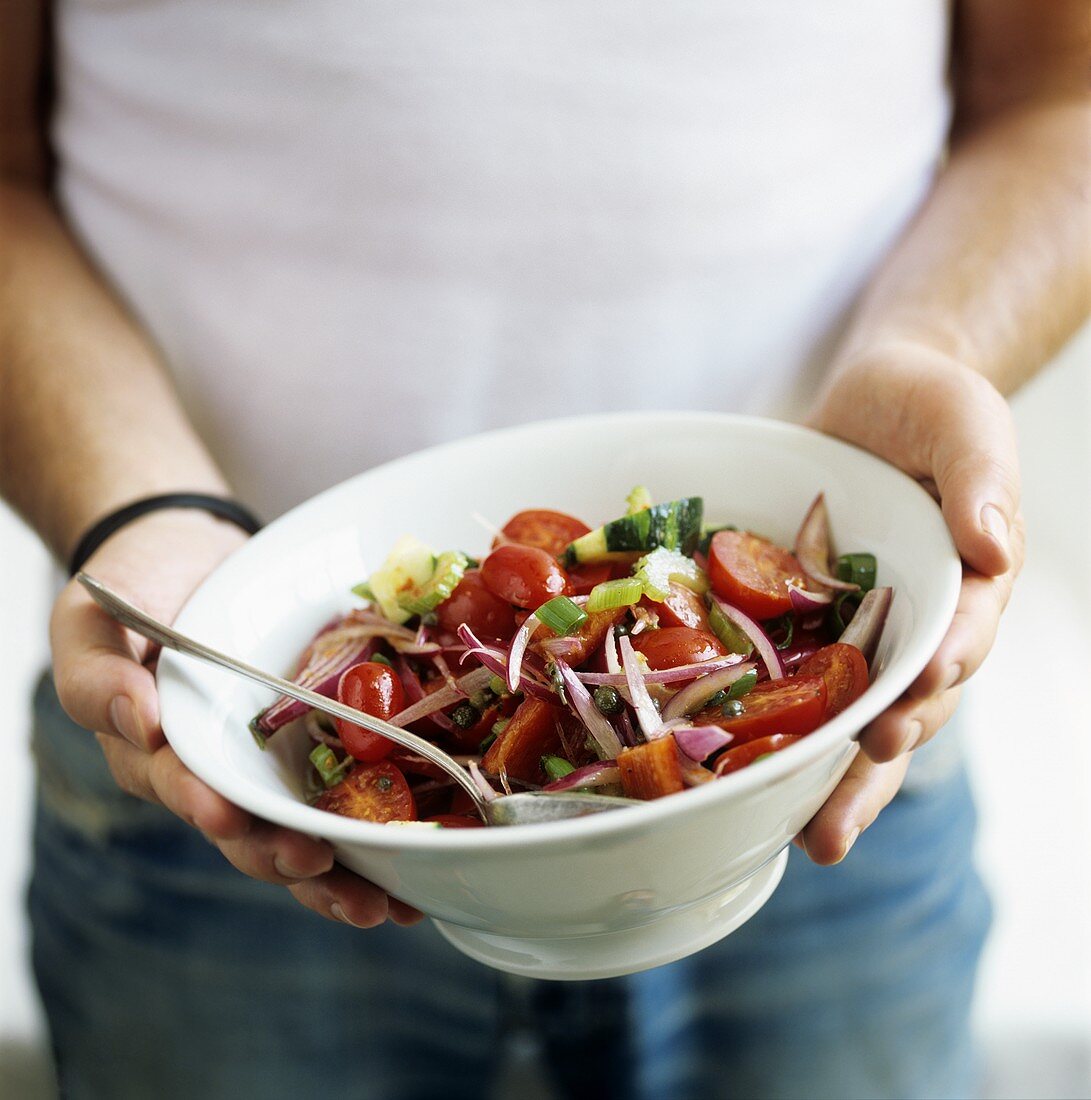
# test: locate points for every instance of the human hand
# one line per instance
(946, 426)
(105, 683)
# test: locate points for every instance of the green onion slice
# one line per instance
(857, 569)
(325, 763)
(561, 615)
(734, 637)
(742, 685)
(556, 767)
(638, 500)
(610, 594)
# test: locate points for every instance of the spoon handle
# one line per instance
(156, 631)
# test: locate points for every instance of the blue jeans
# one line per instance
(166, 973)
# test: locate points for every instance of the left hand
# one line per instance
(946, 426)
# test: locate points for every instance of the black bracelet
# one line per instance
(230, 510)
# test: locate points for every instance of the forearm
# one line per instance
(995, 272)
(88, 419)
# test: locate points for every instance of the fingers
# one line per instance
(100, 680)
(908, 724)
(864, 791)
(973, 630)
(976, 469)
(162, 778)
(343, 896)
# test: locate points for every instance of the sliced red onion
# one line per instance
(495, 661)
(646, 714)
(694, 696)
(481, 783)
(805, 601)
(626, 731)
(645, 620)
(613, 666)
(411, 649)
(606, 739)
(867, 624)
(693, 774)
(602, 773)
(414, 690)
(321, 671)
(763, 644)
(663, 675)
(812, 547)
(518, 649)
(444, 697)
(315, 732)
(700, 742)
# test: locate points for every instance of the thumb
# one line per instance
(976, 470)
(100, 680)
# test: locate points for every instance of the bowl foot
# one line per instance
(611, 954)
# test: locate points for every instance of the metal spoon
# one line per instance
(513, 809)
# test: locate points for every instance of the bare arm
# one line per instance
(89, 422)
(989, 281)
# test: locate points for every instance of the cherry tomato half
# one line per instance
(523, 575)
(682, 607)
(472, 603)
(371, 792)
(796, 704)
(375, 689)
(752, 573)
(734, 759)
(672, 646)
(845, 672)
(548, 531)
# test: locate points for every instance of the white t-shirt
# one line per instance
(358, 228)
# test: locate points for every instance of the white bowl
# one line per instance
(599, 896)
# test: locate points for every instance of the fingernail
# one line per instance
(850, 840)
(995, 525)
(954, 674)
(286, 870)
(123, 718)
(912, 736)
(342, 916)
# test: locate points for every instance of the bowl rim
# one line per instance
(286, 810)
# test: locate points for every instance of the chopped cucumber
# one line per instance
(408, 567)
(675, 525)
(656, 570)
(449, 569)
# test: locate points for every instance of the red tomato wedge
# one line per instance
(737, 758)
(486, 614)
(531, 734)
(548, 531)
(375, 689)
(672, 646)
(845, 672)
(682, 607)
(583, 578)
(651, 770)
(523, 575)
(371, 792)
(752, 573)
(794, 705)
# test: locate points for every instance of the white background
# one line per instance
(1029, 727)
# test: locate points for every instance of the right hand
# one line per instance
(103, 674)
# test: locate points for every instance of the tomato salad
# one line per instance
(639, 658)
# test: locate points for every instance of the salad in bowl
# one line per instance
(640, 658)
